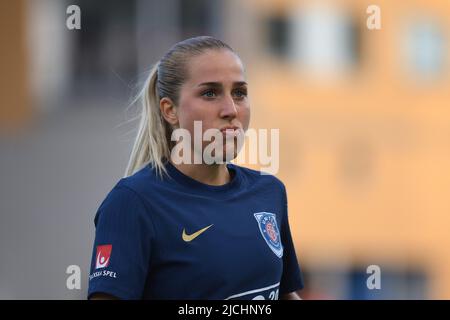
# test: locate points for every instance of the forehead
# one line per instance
(215, 66)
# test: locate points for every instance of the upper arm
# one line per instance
(291, 296)
(122, 247)
(102, 296)
(292, 278)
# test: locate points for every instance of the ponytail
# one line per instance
(150, 145)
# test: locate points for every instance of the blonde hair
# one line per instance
(153, 144)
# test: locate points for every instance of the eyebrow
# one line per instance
(218, 84)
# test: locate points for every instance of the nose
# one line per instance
(228, 108)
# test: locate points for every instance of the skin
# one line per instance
(222, 102)
(295, 295)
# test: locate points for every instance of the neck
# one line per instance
(210, 174)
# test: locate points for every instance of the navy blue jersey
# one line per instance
(177, 238)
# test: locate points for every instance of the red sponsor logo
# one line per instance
(102, 256)
(271, 232)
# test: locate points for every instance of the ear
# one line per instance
(168, 111)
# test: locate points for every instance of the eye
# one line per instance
(240, 93)
(209, 93)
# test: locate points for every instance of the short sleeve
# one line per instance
(122, 247)
(291, 279)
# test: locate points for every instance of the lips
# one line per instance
(229, 128)
(231, 131)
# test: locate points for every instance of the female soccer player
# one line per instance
(190, 230)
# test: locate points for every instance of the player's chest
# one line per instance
(231, 238)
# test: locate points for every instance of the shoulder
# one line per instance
(126, 194)
(260, 177)
(140, 182)
(126, 199)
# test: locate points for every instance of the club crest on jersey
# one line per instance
(268, 227)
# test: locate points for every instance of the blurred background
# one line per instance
(364, 119)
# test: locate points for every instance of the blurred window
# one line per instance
(277, 40)
(200, 17)
(396, 283)
(325, 40)
(349, 282)
(104, 50)
(425, 49)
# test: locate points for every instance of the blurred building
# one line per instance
(364, 124)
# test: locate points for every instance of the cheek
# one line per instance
(187, 113)
(244, 116)
(195, 110)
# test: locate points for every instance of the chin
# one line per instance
(232, 152)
